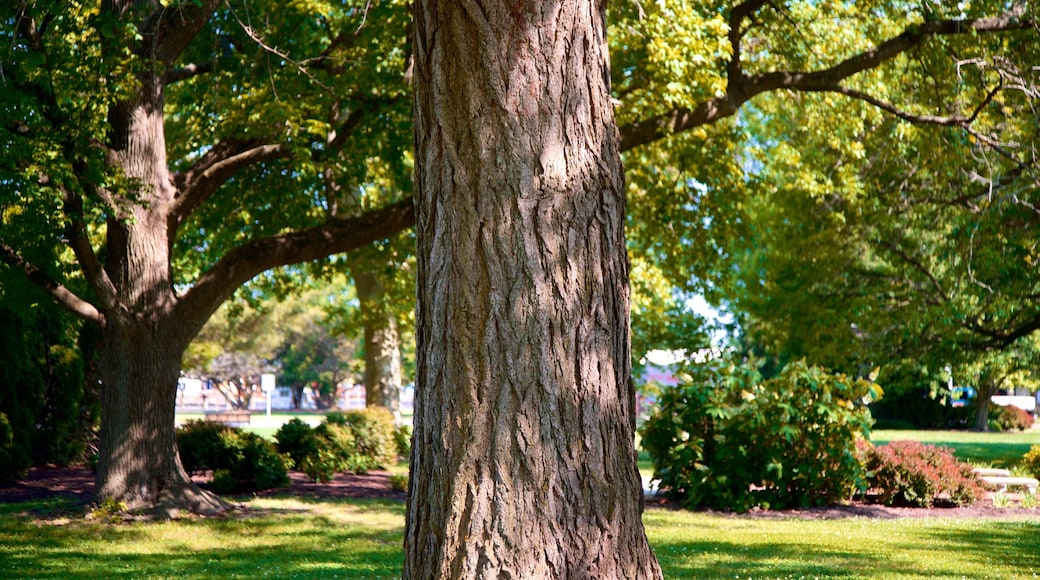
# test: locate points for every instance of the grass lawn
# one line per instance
(996, 449)
(294, 538)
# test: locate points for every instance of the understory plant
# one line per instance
(355, 441)
(1009, 418)
(239, 460)
(909, 473)
(725, 439)
(1031, 461)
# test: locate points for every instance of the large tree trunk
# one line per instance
(143, 346)
(382, 344)
(138, 462)
(523, 461)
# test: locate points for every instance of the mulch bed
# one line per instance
(78, 482)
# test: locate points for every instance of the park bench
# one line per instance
(1002, 479)
(235, 417)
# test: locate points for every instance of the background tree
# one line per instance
(899, 241)
(92, 95)
(48, 409)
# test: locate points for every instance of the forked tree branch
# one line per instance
(743, 88)
(58, 292)
(250, 259)
(214, 168)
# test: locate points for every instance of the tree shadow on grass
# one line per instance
(355, 539)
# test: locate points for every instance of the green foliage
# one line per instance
(49, 410)
(109, 511)
(356, 441)
(296, 440)
(793, 438)
(375, 442)
(240, 460)
(403, 440)
(1031, 461)
(399, 482)
(1029, 501)
(1009, 418)
(909, 473)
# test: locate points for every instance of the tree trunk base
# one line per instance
(178, 497)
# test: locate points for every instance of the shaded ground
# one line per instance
(78, 482)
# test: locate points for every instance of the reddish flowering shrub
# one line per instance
(913, 474)
(1011, 418)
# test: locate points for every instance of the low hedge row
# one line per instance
(240, 460)
(355, 441)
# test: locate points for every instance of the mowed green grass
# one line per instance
(293, 538)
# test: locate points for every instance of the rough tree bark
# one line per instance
(523, 461)
(382, 343)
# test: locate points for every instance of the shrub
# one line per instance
(322, 465)
(296, 440)
(201, 445)
(1031, 461)
(1009, 418)
(375, 444)
(403, 440)
(399, 482)
(240, 460)
(909, 473)
(356, 441)
(726, 440)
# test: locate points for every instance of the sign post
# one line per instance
(267, 384)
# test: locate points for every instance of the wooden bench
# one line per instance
(1002, 479)
(234, 417)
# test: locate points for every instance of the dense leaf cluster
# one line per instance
(725, 439)
(240, 460)
(909, 473)
(355, 441)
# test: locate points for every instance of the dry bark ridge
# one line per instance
(523, 461)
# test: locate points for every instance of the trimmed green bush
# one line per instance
(375, 444)
(240, 460)
(908, 473)
(403, 440)
(355, 441)
(725, 439)
(296, 440)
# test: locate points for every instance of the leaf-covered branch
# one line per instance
(216, 166)
(61, 295)
(76, 232)
(252, 258)
(742, 88)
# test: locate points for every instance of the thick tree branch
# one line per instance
(186, 72)
(62, 295)
(250, 259)
(999, 339)
(76, 232)
(169, 30)
(214, 168)
(745, 88)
